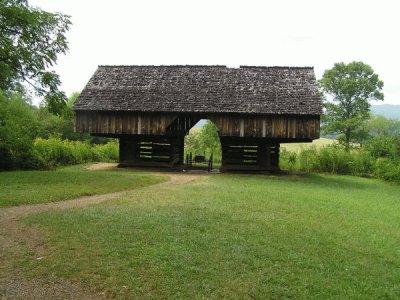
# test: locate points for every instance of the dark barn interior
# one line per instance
(150, 109)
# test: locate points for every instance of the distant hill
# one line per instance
(388, 110)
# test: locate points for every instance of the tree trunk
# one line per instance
(347, 141)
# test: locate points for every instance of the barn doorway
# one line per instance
(202, 148)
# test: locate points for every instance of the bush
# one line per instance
(18, 127)
(52, 152)
(288, 159)
(308, 160)
(384, 146)
(106, 152)
(387, 169)
(362, 163)
(334, 159)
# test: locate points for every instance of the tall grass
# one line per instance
(52, 152)
(334, 159)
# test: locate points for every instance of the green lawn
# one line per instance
(30, 187)
(234, 236)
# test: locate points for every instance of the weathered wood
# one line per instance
(149, 150)
(116, 123)
(283, 127)
(159, 138)
(279, 127)
(249, 154)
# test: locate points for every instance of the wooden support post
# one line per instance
(262, 155)
(127, 150)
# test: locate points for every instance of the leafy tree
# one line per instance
(209, 138)
(192, 142)
(204, 141)
(350, 87)
(30, 40)
(18, 128)
(62, 125)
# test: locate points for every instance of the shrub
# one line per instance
(329, 159)
(52, 152)
(308, 160)
(334, 159)
(362, 163)
(18, 127)
(384, 146)
(387, 169)
(106, 152)
(287, 159)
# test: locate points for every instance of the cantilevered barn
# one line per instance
(150, 109)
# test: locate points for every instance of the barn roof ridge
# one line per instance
(161, 66)
(206, 66)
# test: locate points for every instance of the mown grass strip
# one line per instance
(32, 187)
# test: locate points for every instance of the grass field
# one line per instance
(233, 236)
(297, 147)
(29, 187)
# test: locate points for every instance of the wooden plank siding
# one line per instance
(122, 123)
(293, 127)
(278, 127)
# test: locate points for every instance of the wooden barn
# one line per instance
(150, 109)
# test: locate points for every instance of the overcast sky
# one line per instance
(233, 33)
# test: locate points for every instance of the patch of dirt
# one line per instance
(43, 288)
(17, 238)
(180, 178)
(101, 166)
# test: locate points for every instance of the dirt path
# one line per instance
(17, 238)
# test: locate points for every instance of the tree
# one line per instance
(349, 87)
(209, 137)
(30, 40)
(18, 128)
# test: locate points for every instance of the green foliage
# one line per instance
(30, 40)
(52, 152)
(361, 163)
(387, 169)
(379, 158)
(333, 159)
(384, 146)
(55, 125)
(380, 125)
(106, 152)
(18, 127)
(209, 137)
(307, 159)
(350, 87)
(21, 123)
(192, 142)
(204, 141)
(62, 125)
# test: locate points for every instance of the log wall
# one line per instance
(145, 150)
(249, 154)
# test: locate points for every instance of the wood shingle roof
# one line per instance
(202, 89)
